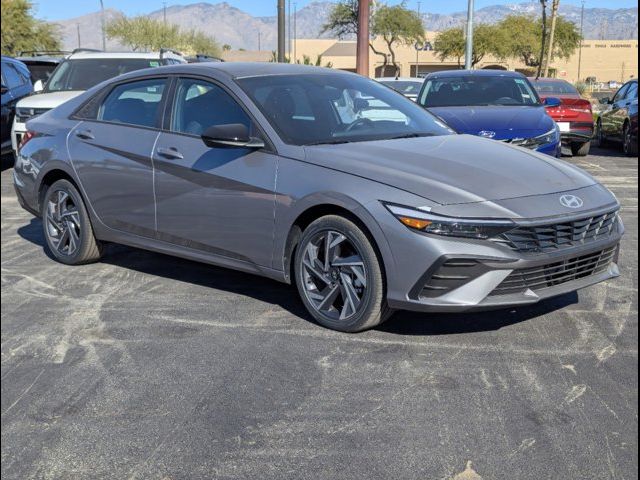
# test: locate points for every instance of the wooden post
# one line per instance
(362, 52)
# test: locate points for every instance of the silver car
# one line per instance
(318, 178)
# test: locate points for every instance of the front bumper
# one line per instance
(418, 257)
(18, 130)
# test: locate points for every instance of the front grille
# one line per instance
(556, 273)
(544, 238)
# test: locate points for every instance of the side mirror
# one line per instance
(552, 102)
(605, 100)
(38, 86)
(232, 135)
(4, 89)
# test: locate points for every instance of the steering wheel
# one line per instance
(360, 122)
(506, 101)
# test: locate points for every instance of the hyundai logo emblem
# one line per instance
(571, 201)
(486, 134)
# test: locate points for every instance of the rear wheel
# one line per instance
(580, 149)
(628, 146)
(601, 138)
(339, 276)
(66, 224)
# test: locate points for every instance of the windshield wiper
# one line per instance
(327, 142)
(411, 135)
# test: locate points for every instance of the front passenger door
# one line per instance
(218, 201)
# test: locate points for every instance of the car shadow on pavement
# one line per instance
(7, 161)
(285, 296)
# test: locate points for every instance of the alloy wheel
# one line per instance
(334, 275)
(62, 223)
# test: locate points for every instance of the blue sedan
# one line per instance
(494, 104)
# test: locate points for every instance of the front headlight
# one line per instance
(551, 136)
(427, 222)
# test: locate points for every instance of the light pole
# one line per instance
(295, 30)
(104, 39)
(281, 31)
(468, 53)
(417, 50)
(580, 50)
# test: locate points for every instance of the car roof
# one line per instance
(475, 73)
(542, 80)
(236, 69)
(40, 59)
(89, 54)
(400, 79)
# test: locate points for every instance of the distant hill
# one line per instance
(230, 25)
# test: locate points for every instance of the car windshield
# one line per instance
(404, 87)
(82, 74)
(470, 90)
(337, 108)
(555, 87)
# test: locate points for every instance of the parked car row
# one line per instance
(364, 200)
(542, 114)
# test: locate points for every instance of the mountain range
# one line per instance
(239, 29)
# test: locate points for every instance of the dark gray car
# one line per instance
(315, 177)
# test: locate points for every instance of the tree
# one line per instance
(21, 32)
(144, 33)
(487, 40)
(522, 39)
(397, 25)
(226, 47)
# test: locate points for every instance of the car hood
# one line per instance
(505, 122)
(48, 100)
(453, 169)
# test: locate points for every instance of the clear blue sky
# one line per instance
(62, 9)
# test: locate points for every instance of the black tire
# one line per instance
(600, 140)
(74, 219)
(372, 308)
(580, 149)
(629, 147)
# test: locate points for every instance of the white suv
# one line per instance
(78, 72)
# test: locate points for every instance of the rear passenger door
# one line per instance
(215, 200)
(111, 151)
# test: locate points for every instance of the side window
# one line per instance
(11, 76)
(134, 103)
(632, 92)
(621, 93)
(198, 105)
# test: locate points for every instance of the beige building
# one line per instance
(604, 59)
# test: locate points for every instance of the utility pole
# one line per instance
(468, 53)
(543, 4)
(295, 30)
(104, 38)
(554, 16)
(281, 31)
(259, 46)
(417, 50)
(78, 32)
(362, 52)
(289, 27)
(581, 30)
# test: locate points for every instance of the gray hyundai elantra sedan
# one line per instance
(318, 178)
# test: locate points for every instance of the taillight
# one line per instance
(583, 106)
(28, 135)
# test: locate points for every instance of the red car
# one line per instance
(574, 116)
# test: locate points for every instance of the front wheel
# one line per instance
(66, 224)
(339, 275)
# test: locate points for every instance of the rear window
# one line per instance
(555, 87)
(82, 74)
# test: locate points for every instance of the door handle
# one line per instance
(170, 153)
(85, 135)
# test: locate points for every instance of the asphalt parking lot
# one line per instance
(145, 366)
